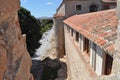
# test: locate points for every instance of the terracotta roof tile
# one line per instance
(99, 27)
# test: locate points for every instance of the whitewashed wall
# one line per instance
(99, 60)
(82, 43)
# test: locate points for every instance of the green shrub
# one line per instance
(31, 27)
(46, 25)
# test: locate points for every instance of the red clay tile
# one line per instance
(100, 26)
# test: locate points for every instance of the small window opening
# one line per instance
(78, 7)
(93, 8)
(77, 36)
(68, 29)
(86, 46)
(71, 32)
(108, 64)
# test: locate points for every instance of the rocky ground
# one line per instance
(54, 69)
(46, 66)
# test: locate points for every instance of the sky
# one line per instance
(41, 8)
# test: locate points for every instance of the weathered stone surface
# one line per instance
(3, 62)
(22, 70)
(116, 63)
(15, 61)
(18, 65)
(31, 78)
(9, 5)
(59, 34)
(118, 9)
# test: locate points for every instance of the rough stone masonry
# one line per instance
(15, 61)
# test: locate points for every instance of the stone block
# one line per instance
(118, 9)
(3, 62)
(15, 62)
(8, 6)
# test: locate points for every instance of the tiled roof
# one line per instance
(99, 27)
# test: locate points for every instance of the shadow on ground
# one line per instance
(49, 69)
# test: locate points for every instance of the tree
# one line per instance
(31, 27)
(46, 24)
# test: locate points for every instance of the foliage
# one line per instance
(31, 27)
(46, 25)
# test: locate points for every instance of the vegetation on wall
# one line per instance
(31, 27)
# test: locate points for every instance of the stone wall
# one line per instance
(77, 66)
(59, 34)
(70, 7)
(118, 9)
(66, 9)
(15, 61)
(61, 10)
(77, 70)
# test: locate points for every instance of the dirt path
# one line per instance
(51, 67)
